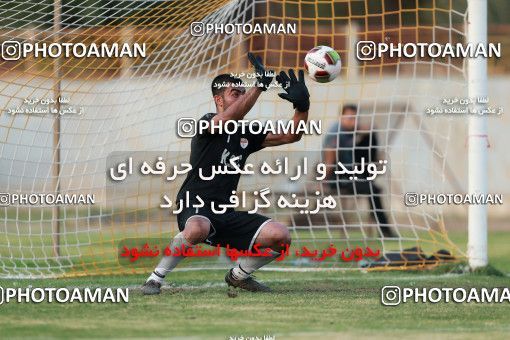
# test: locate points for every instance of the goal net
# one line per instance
(66, 121)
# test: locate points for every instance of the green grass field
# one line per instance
(334, 304)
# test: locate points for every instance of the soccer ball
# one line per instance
(323, 64)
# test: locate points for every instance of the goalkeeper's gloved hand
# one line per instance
(263, 78)
(297, 93)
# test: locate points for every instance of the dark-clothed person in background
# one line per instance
(348, 142)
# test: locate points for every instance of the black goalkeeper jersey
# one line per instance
(208, 150)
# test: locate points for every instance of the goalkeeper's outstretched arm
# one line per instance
(297, 94)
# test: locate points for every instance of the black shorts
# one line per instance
(238, 229)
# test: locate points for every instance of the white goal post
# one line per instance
(478, 139)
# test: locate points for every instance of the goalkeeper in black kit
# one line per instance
(238, 229)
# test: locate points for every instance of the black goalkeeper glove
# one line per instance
(263, 79)
(297, 93)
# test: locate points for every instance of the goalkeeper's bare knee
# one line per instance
(196, 229)
(274, 235)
